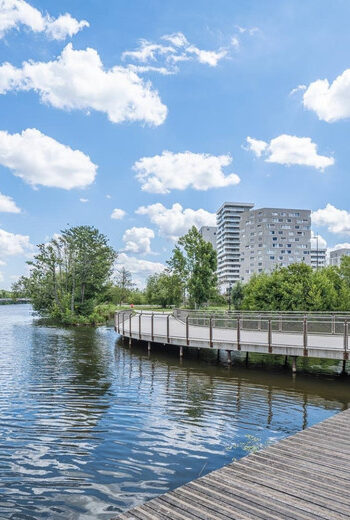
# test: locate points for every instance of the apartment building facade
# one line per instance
(209, 234)
(228, 219)
(318, 258)
(336, 255)
(271, 237)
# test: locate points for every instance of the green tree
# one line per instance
(164, 289)
(237, 295)
(194, 262)
(70, 274)
(123, 287)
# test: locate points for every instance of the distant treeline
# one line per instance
(296, 288)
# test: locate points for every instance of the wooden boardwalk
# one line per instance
(303, 477)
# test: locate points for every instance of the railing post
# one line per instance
(187, 331)
(280, 323)
(333, 324)
(123, 324)
(211, 332)
(118, 323)
(269, 335)
(152, 326)
(346, 340)
(168, 328)
(140, 316)
(130, 325)
(238, 333)
(259, 322)
(305, 336)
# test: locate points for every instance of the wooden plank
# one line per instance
(303, 477)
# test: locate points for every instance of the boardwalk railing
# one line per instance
(315, 335)
(316, 322)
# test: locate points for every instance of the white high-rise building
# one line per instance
(209, 234)
(273, 237)
(228, 219)
(318, 251)
(336, 255)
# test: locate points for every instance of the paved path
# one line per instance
(287, 343)
(303, 477)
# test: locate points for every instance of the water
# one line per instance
(89, 428)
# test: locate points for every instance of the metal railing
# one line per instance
(270, 328)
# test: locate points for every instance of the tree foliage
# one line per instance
(164, 289)
(70, 274)
(194, 262)
(299, 287)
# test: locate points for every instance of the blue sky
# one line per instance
(123, 105)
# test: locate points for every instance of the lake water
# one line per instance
(89, 428)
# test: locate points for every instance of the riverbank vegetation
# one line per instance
(73, 281)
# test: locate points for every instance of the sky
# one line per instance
(142, 118)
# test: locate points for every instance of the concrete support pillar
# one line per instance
(130, 342)
(246, 359)
(285, 361)
(198, 352)
(218, 356)
(229, 359)
(149, 347)
(343, 371)
(294, 364)
(181, 352)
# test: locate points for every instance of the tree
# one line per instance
(123, 286)
(164, 289)
(194, 262)
(70, 274)
(237, 295)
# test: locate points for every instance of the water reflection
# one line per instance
(89, 428)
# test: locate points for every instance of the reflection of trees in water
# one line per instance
(72, 367)
(199, 384)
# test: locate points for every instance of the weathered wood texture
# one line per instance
(303, 477)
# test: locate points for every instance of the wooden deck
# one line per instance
(303, 477)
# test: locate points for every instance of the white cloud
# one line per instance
(176, 221)
(299, 88)
(13, 244)
(334, 219)
(179, 50)
(331, 102)
(289, 150)
(343, 245)
(78, 80)
(140, 269)
(317, 241)
(8, 205)
(117, 213)
(84, 200)
(211, 58)
(235, 42)
(256, 146)
(14, 13)
(163, 173)
(138, 240)
(40, 160)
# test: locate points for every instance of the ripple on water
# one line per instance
(89, 428)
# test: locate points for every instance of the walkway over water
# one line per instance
(313, 335)
(303, 477)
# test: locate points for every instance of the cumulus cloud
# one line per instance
(8, 205)
(77, 80)
(289, 150)
(13, 244)
(343, 245)
(317, 241)
(169, 171)
(330, 101)
(140, 269)
(117, 213)
(176, 221)
(138, 240)
(334, 219)
(14, 13)
(84, 200)
(180, 49)
(40, 160)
